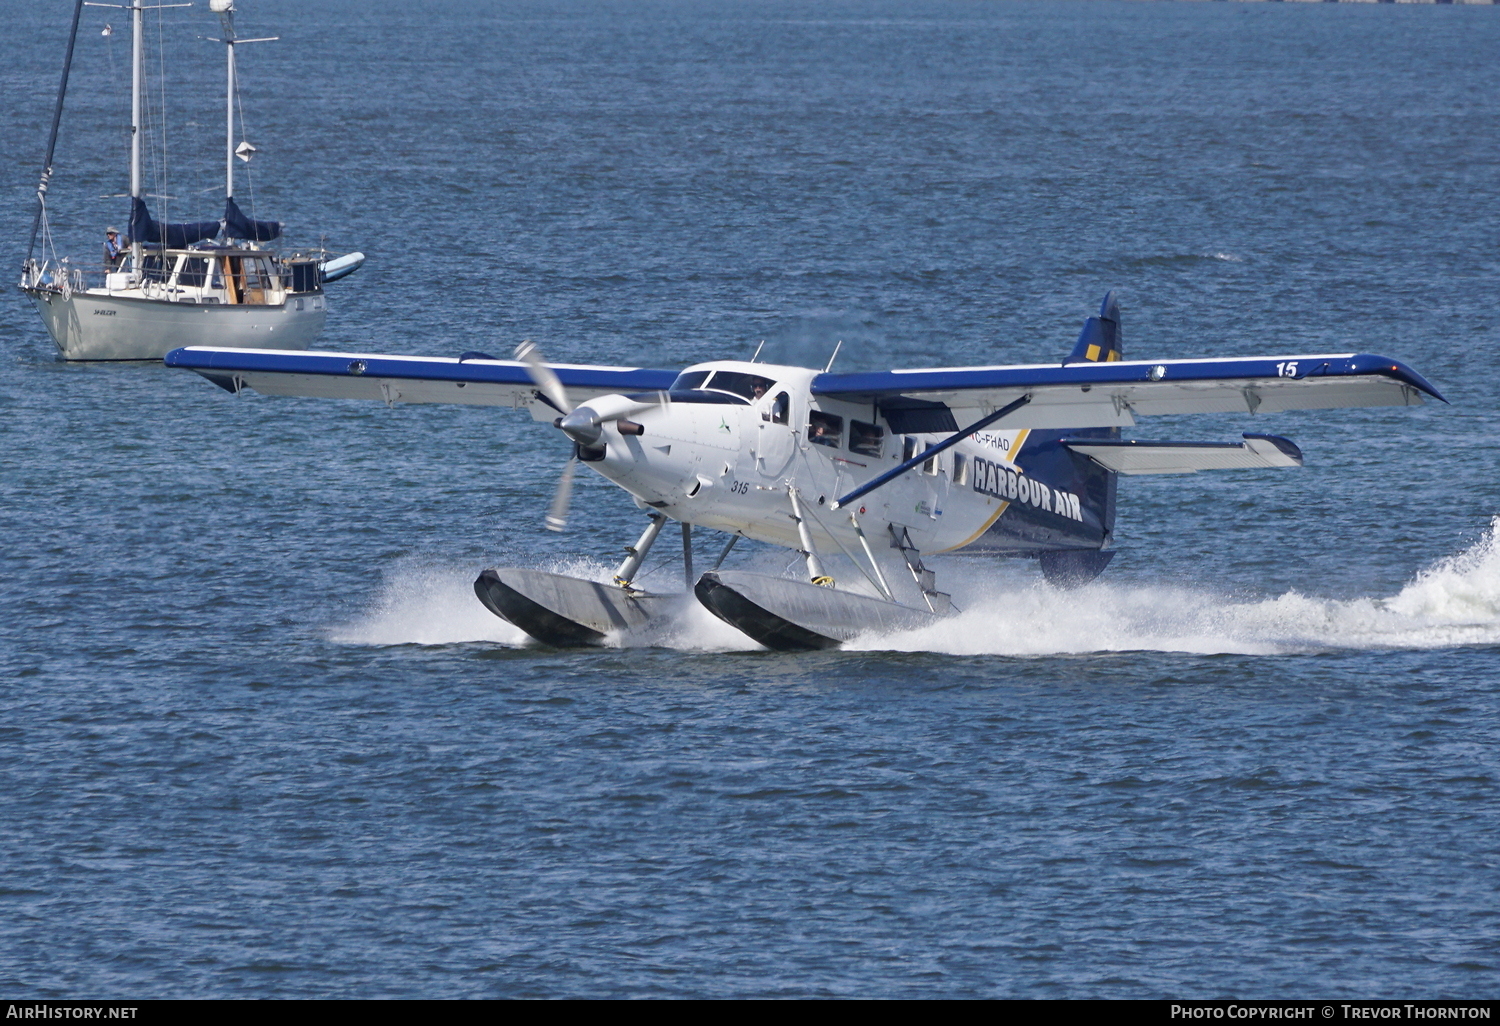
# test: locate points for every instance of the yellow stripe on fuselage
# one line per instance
(1010, 457)
(971, 539)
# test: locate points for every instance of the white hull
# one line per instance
(103, 326)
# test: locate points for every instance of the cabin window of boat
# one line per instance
(865, 439)
(781, 409)
(824, 428)
(257, 275)
(152, 268)
(690, 380)
(960, 469)
(192, 272)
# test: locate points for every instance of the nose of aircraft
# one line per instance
(582, 425)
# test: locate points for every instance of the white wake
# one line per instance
(1454, 602)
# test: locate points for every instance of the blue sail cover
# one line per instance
(144, 228)
(238, 226)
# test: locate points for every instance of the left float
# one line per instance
(165, 284)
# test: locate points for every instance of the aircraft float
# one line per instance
(878, 469)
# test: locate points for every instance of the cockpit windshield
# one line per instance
(746, 386)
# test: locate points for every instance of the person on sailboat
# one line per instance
(114, 248)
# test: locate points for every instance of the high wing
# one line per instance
(1080, 395)
(474, 379)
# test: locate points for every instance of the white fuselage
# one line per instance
(730, 466)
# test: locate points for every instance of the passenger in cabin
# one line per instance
(824, 428)
(114, 248)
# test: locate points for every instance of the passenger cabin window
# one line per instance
(908, 448)
(930, 464)
(865, 439)
(960, 469)
(824, 428)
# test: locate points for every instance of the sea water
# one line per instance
(259, 738)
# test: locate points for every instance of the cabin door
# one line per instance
(777, 440)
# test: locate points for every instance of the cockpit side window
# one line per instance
(781, 409)
(690, 379)
(824, 428)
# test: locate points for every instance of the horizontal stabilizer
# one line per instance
(1138, 457)
(469, 380)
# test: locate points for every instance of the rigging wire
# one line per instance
(161, 81)
(62, 92)
(240, 105)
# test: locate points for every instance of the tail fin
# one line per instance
(1099, 341)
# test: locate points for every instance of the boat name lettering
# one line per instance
(103, 313)
(1007, 483)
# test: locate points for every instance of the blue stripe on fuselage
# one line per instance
(1073, 509)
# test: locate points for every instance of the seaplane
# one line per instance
(874, 471)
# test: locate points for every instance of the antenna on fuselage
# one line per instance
(837, 346)
(757, 351)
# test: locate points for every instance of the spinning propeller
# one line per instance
(584, 425)
(547, 383)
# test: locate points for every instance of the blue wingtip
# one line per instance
(1400, 371)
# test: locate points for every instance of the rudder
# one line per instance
(1099, 341)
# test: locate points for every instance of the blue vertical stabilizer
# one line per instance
(1099, 341)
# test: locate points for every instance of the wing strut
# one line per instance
(922, 457)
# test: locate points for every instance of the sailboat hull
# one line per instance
(102, 326)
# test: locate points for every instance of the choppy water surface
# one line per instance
(261, 740)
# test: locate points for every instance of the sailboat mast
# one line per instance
(62, 92)
(228, 16)
(137, 61)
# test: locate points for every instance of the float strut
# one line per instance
(725, 551)
(687, 555)
(864, 542)
(636, 554)
(814, 568)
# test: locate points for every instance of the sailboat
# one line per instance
(182, 284)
